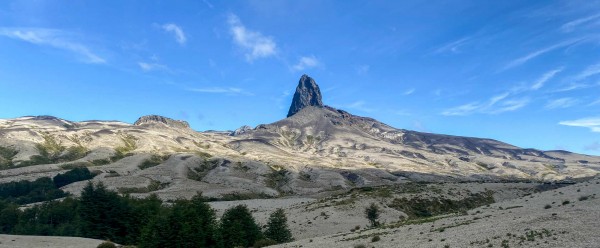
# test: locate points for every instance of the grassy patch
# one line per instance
(418, 221)
(421, 207)
(240, 196)
(6, 156)
(129, 145)
(99, 162)
(199, 172)
(52, 151)
(154, 160)
(153, 186)
(277, 178)
(441, 229)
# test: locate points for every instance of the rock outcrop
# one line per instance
(241, 130)
(153, 119)
(307, 94)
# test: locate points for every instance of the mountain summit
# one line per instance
(307, 94)
(154, 119)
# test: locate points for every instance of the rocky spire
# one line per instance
(307, 94)
(152, 119)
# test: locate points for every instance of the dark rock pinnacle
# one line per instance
(307, 94)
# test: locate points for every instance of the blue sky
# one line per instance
(523, 72)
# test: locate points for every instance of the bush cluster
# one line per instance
(103, 214)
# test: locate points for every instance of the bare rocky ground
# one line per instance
(564, 217)
(20, 241)
(524, 215)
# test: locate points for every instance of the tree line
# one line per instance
(149, 222)
(42, 189)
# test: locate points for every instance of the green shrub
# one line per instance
(99, 162)
(154, 160)
(372, 213)
(548, 206)
(375, 238)
(74, 175)
(6, 156)
(264, 243)
(106, 244)
(427, 207)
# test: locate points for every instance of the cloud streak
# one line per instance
(409, 92)
(569, 26)
(453, 47)
(145, 66)
(532, 55)
(544, 78)
(255, 44)
(560, 103)
(591, 70)
(53, 38)
(494, 105)
(359, 105)
(177, 32)
(305, 63)
(220, 90)
(593, 123)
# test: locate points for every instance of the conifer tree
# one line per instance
(277, 228)
(372, 213)
(238, 227)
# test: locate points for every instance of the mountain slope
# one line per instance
(317, 148)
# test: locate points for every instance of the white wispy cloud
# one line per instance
(588, 72)
(454, 46)
(593, 123)
(594, 103)
(208, 4)
(220, 90)
(539, 83)
(362, 69)
(510, 105)
(359, 105)
(150, 66)
(305, 63)
(573, 86)
(569, 26)
(53, 38)
(564, 102)
(256, 44)
(494, 105)
(462, 110)
(409, 92)
(177, 32)
(535, 54)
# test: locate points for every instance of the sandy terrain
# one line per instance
(521, 222)
(19, 241)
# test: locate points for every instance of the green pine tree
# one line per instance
(277, 228)
(238, 227)
(372, 213)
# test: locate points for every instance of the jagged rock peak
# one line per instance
(150, 119)
(241, 130)
(307, 94)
